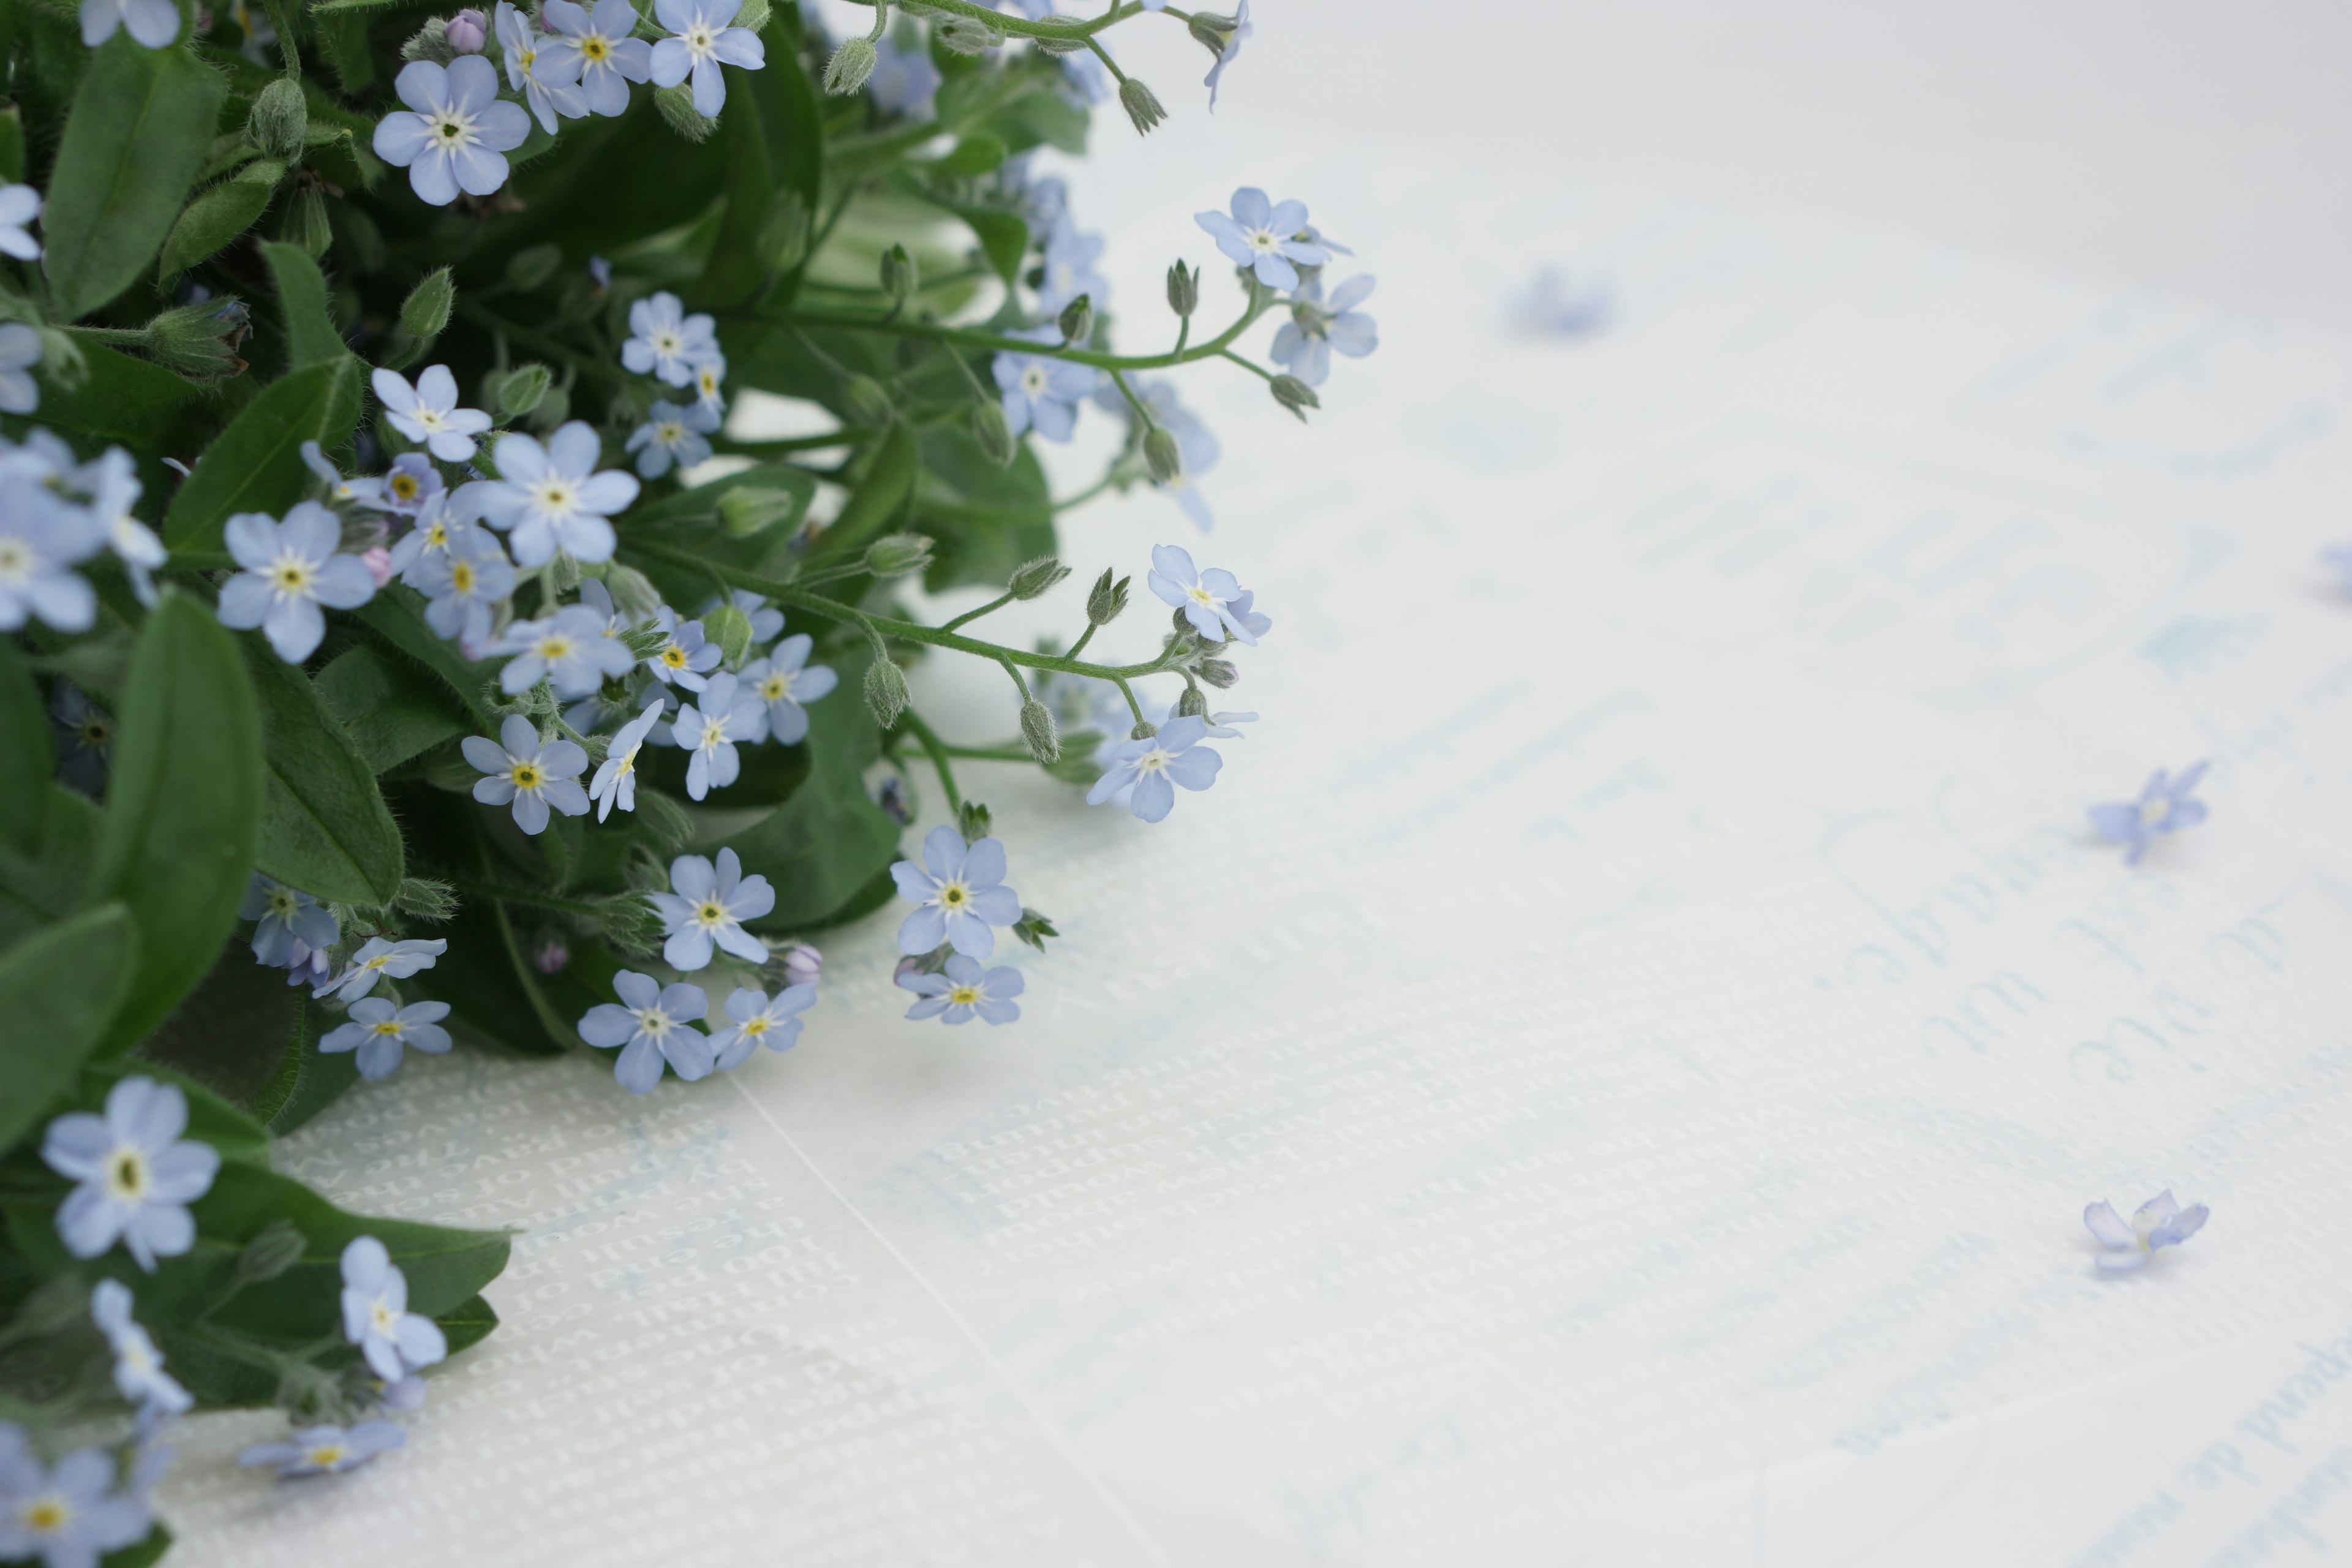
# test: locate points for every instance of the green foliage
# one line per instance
(26, 760)
(256, 465)
(325, 828)
(59, 988)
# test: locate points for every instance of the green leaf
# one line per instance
(257, 463)
(311, 334)
(230, 1032)
(396, 616)
(26, 760)
(307, 1079)
(125, 402)
(142, 121)
(1003, 237)
(986, 519)
(12, 145)
(58, 989)
(875, 505)
(42, 888)
(467, 1324)
(143, 1553)
(976, 155)
(219, 216)
(184, 805)
(394, 709)
(324, 826)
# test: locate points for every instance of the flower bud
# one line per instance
(753, 18)
(524, 388)
(869, 404)
(1192, 704)
(850, 66)
(629, 923)
(730, 628)
(1105, 599)
(897, 272)
(1217, 673)
(277, 1247)
(1144, 730)
(467, 31)
(1295, 395)
(1033, 928)
(430, 42)
(804, 965)
(974, 822)
(549, 953)
(995, 435)
(906, 969)
(1031, 579)
(1077, 323)
(305, 223)
(1143, 109)
(1162, 454)
(278, 122)
(532, 266)
(885, 691)
(564, 572)
(1184, 288)
(1212, 32)
(1061, 46)
(966, 37)
(748, 509)
(426, 312)
(1038, 730)
(199, 341)
(676, 105)
(898, 555)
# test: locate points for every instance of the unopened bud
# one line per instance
(1143, 110)
(1033, 928)
(552, 410)
(468, 31)
(1078, 322)
(804, 965)
(850, 66)
(1192, 704)
(278, 121)
(1105, 599)
(277, 1247)
(1217, 673)
(634, 594)
(1184, 288)
(564, 572)
(522, 389)
(897, 272)
(676, 105)
(426, 312)
(898, 555)
(1038, 730)
(730, 628)
(1144, 730)
(1162, 454)
(628, 922)
(885, 691)
(1212, 32)
(869, 404)
(1062, 45)
(199, 341)
(1295, 395)
(532, 266)
(974, 822)
(61, 360)
(1033, 578)
(966, 37)
(995, 435)
(305, 223)
(748, 509)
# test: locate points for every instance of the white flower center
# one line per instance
(669, 433)
(437, 536)
(1032, 380)
(15, 560)
(775, 688)
(1201, 596)
(290, 575)
(1263, 239)
(127, 1177)
(555, 496)
(1154, 760)
(710, 916)
(451, 131)
(714, 733)
(954, 897)
(429, 418)
(384, 1319)
(282, 905)
(555, 647)
(2152, 812)
(653, 1021)
(699, 40)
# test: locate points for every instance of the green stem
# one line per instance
(1129, 693)
(992, 753)
(969, 615)
(937, 750)
(1134, 402)
(1019, 27)
(1259, 304)
(1083, 637)
(1261, 374)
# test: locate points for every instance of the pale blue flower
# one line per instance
(138, 1374)
(1040, 390)
(1263, 236)
(1243, 28)
(464, 584)
(1250, 621)
(707, 376)
(757, 1020)
(438, 531)
(1151, 765)
(706, 907)
(382, 958)
(687, 658)
(2164, 806)
(70, 1515)
(325, 1449)
(1207, 598)
(41, 539)
(672, 437)
(958, 893)
(548, 78)
(136, 1174)
(291, 568)
(666, 343)
(651, 1025)
(154, 24)
(780, 681)
(965, 989)
(804, 965)
(20, 205)
(615, 783)
(2158, 1223)
(531, 772)
(404, 490)
(608, 58)
(456, 137)
(701, 41)
(903, 80)
(553, 497)
(112, 483)
(285, 913)
(1195, 444)
(1305, 343)
(1559, 306)
(394, 1341)
(710, 726)
(427, 412)
(378, 1030)
(1070, 270)
(20, 351)
(573, 650)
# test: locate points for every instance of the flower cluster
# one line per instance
(55, 514)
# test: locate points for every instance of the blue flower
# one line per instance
(395, 1341)
(427, 412)
(686, 657)
(966, 989)
(548, 76)
(40, 540)
(609, 59)
(779, 682)
(136, 1175)
(1195, 444)
(1211, 600)
(454, 131)
(666, 343)
(702, 41)
(533, 773)
(758, 1020)
(615, 783)
(710, 726)
(138, 1374)
(285, 914)
(381, 958)
(707, 906)
(1557, 305)
(1040, 390)
(2164, 806)
(958, 893)
(290, 569)
(1263, 237)
(2158, 1223)
(464, 584)
(69, 1516)
(574, 649)
(1070, 259)
(903, 80)
(20, 351)
(1174, 756)
(651, 1025)
(377, 1030)
(672, 435)
(553, 497)
(1305, 343)
(1243, 27)
(438, 531)
(111, 482)
(326, 1450)
(707, 376)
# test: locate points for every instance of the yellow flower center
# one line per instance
(953, 896)
(390, 1026)
(290, 576)
(757, 1027)
(405, 486)
(965, 994)
(126, 1175)
(551, 648)
(461, 577)
(593, 48)
(773, 688)
(673, 657)
(48, 1515)
(527, 775)
(556, 495)
(710, 914)
(327, 1455)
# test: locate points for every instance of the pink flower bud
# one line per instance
(379, 564)
(804, 965)
(551, 955)
(467, 32)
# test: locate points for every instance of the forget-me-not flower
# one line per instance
(615, 783)
(756, 1019)
(1040, 391)
(707, 378)
(1242, 28)
(652, 1026)
(965, 989)
(958, 893)
(2164, 806)
(687, 657)
(1305, 343)
(377, 1031)
(463, 586)
(700, 41)
(110, 480)
(670, 437)
(291, 568)
(705, 907)
(529, 772)
(437, 532)
(607, 58)
(154, 24)
(721, 715)
(573, 650)
(20, 351)
(780, 681)
(427, 412)
(409, 484)
(1207, 598)
(2158, 1223)
(903, 80)
(1560, 306)
(136, 1175)
(138, 1374)
(40, 539)
(382, 958)
(1156, 762)
(1263, 236)
(1070, 268)
(326, 1449)
(284, 913)
(395, 1341)
(549, 78)
(20, 205)
(457, 136)
(70, 1515)
(666, 343)
(554, 497)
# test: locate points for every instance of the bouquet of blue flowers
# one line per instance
(405, 646)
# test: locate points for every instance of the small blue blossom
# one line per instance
(701, 41)
(615, 783)
(1305, 343)
(903, 80)
(553, 497)
(1041, 390)
(756, 1019)
(666, 343)
(111, 482)
(325, 1451)
(1195, 444)
(1243, 27)
(1070, 269)
(427, 412)
(686, 659)
(291, 568)
(70, 1515)
(1263, 237)
(20, 205)
(1151, 765)
(651, 1025)
(608, 58)
(710, 726)
(600, 271)
(1211, 601)
(20, 351)
(672, 437)
(965, 989)
(396, 1342)
(958, 893)
(378, 1030)
(573, 650)
(381, 958)
(284, 914)
(136, 1174)
(2158, 1223)
(546, 74)
(531, 772)
(455, 131)
(2164, 806)
(138, 1374)
(404, 488)
(41, 539)
(464, 585)
(706, 907)
(438, 531)
(707, 376)
(780, 681)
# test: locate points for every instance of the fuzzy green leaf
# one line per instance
(257, 463)
(311, 334)
(394, 709)
(218, 217)
(26, 759)
(325, 828)
(58, 989)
